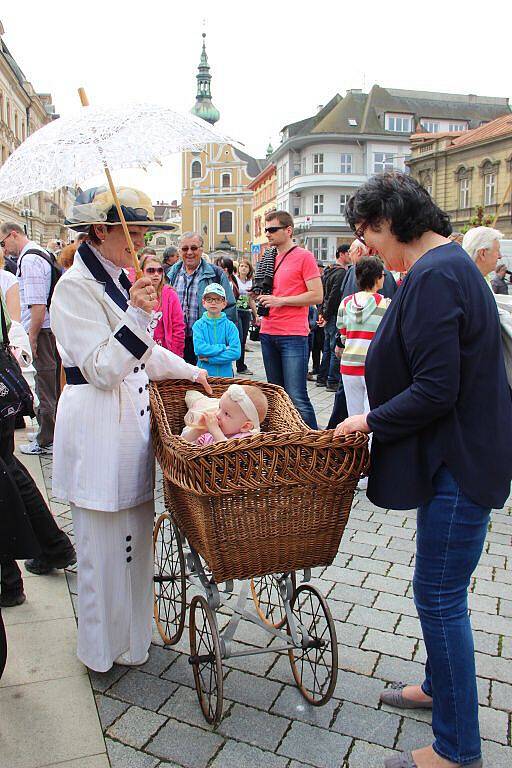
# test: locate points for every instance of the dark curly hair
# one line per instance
(368, 270)
(400, 200)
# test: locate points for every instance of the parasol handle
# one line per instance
(136, 265)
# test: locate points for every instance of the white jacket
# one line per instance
(102, 453)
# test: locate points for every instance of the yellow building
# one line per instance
(264, 201)
(216, 198)
(468, 174)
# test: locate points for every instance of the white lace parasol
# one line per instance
(71, 149)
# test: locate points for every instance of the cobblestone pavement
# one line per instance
(151, 717)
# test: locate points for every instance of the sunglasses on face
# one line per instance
(271, 230)
(154, 270)
(3, 242)
(186, 248)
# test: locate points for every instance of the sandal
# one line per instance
(393, 696)
(406, 760)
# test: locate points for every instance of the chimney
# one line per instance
(319, 108)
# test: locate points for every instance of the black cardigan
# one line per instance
(437, 387)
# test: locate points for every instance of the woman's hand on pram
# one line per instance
(352, 424)
(202, 379)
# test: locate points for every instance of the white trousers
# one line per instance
(115, 583)
(356, 394)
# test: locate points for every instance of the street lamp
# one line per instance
(27, 213)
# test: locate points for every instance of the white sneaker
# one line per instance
(34, 449)
(124, 660)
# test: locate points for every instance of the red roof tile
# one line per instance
(502, 126)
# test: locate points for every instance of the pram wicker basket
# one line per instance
(274, 502)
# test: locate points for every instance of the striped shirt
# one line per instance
(186, 287)
(359, 316)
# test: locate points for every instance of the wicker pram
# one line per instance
(270, 503)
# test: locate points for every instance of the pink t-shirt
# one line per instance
(207, 438)
(290, 280)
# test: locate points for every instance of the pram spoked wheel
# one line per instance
(315, 661)
(170, 585)
(268, 597)
(205, 658)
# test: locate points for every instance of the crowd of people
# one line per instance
(403, 327)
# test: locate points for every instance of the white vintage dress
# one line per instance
(103, 461)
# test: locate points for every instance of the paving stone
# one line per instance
(121, 756)
(350, 634)
(109, 709)
(495, 755)
(358, 689)
(356, 660)
(368, 565)
(373, 725)
(101, 681)
(393, 669)
(144, 690)
(180, 671)
(385, 642)
(315, 746)
(505, 608)
(356, 595)
(344, 576)
(486, 643)
(392, 555)
(498, 625)
(492, 588)
(372, 539)
(410, 627)
(502, 576)
(237, 755)
(395, 604)
(403, 544)
(292, 705)
(414, 734)
(497, 561)
(184, 706)
(364, 755)
(136, 726)
(484, 691)
(359, 513)
(493, 724)
(482, 603)
(250, 690)
(340, 610)
(371, 617)
(353, 548)
(399, 571)
(188, 746)
(254, 727)
(397, 532)
(506, 647)
(159, 660)
(494, 668)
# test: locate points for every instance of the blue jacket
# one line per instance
(219, 341)
(437, 387)
(208, 273)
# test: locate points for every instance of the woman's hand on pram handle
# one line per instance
(202, 379)
(352, 424)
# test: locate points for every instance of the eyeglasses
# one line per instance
(154, 270)
(359, 232)
(186, 248)
(271, 230)
(3, 242)
(214, 299)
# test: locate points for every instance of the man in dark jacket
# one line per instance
(329, 374)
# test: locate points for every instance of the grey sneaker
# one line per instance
(34, 449)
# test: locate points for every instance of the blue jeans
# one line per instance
(339, 408)
(286, 363)
(450, 537)
(330, 366)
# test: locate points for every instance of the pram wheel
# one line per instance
(205, 658)
(315, 662)
(269, 600)
(170, 586)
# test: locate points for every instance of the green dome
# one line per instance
(206, 111)
(203, 107)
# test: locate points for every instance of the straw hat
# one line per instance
(96, 206)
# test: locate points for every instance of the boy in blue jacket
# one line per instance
(216, 338)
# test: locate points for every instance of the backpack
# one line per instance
(56, 271)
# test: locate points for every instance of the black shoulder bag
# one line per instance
(15, 394)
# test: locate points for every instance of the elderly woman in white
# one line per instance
(483, 245)
(102, 459)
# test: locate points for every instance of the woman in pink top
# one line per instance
(167, 325)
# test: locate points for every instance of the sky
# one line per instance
(271, 63)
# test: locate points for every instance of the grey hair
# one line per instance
(11, 226)
(479, 238)
(187, 235)
(169, 251)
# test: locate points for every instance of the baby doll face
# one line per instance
(231, 418)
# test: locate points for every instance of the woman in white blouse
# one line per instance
(10, 289)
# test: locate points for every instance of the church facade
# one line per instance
(216, 198)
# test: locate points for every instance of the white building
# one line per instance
(322, 160)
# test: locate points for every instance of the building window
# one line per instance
(318, 203)
(257, 226)
(343, 202)
(398, 123)
(226, 222)
(431, 126)
(346, 163)
(457, 126)
(464, 193)
(318, 163)
(285, 173)
(196, 169)
(161, 241)
(319, 247)
(382, 162)
(490, 189)
(226, 180)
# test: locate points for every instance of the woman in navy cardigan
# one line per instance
(441, 418)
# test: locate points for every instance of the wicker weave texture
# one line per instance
(269, 503)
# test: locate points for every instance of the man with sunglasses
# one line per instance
(284, 330)
(189, 277)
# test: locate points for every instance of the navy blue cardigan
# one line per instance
(437, 387)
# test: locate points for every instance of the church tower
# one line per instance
(203, 106)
